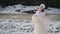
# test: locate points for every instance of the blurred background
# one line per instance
(15, 15)
(48, 3)
(29, 6)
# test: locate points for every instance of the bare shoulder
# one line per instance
(34, 18)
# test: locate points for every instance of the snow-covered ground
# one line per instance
(50, 10)
(16, 26)
(23, 26)
(12, 9)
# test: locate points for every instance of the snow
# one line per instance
(16, 26)
(23, 26)
(53, 10)
(12, 9)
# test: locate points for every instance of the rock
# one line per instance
(18, 10)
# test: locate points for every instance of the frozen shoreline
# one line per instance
(19, 9)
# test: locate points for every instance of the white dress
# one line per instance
(40, 23)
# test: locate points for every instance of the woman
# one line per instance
(40, 21)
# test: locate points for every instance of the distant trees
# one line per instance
(52, 3)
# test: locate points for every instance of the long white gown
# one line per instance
(40, 23)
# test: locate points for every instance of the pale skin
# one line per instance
(40, 9)
(40, 22)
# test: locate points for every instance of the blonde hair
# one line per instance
(42, 5)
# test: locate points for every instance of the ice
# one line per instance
(22, 8)
(23, 26)
(16, 26)
(12, 9)
(53, 10)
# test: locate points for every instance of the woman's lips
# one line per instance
(42, 10)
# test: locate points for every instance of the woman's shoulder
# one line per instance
(34, 18)
(34, 15)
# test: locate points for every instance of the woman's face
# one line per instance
(41, 9)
